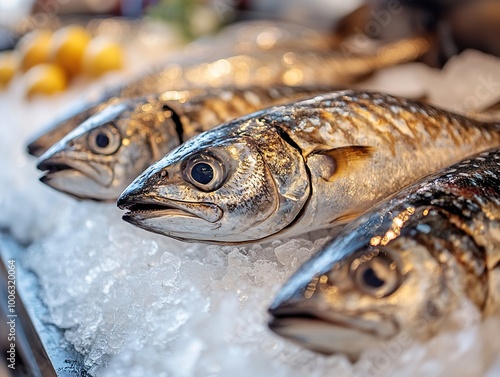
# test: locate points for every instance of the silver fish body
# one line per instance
(299, 167)
(277, 66)
(403, 267)
(98, 159)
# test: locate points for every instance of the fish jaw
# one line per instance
(158, 215)
(325, 336)
(150, 209)
(83, 179)
(77, 185)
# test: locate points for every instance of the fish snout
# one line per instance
(42, 164)
(36, 148)
(51, 163)
(283, 305)
(41, 145)
(140, 187)
(56, 154)
(127, 198)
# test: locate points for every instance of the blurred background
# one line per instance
(452, 25)
(95, 32)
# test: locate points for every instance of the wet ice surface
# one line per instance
(137, 304)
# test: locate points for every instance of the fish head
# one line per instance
(223, 186)
(71, 119)
(98, 159)
(367, 288)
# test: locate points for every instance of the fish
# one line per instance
(102, 156)
(292, 169)
(192, 70)
(244, 36)
(403, 267)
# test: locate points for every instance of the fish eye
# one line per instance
(376, 274)
(202, 173)
(105, 139)
(205, 171)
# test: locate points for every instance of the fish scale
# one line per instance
(427, 249)
(349, 153)
(212, 104)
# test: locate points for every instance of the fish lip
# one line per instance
(281, 315)
(55, 164)
(280, 325)
(293, 312)
(285, 318)
(51, 166)
(276, 324)
(153, 208)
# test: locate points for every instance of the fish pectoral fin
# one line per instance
(344, 159)
(345, 219)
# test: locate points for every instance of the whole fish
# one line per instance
(404, 266)
(98, 159)
(258, 68)
(299, 167)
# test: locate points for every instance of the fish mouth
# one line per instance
(52, 167)
(139, 210)
(282, 316)
(331, 333)
(57, 166)
(78, 183)
(319, 335)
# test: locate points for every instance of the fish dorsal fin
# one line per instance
(344, 159)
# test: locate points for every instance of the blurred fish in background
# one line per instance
(453, 25)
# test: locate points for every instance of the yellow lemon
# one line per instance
(8, 66)
(34, 48)
(45, 79)
(67, 47)
(102, 56)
